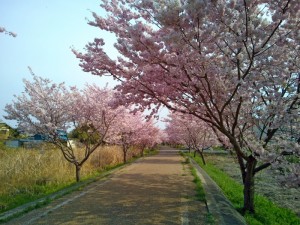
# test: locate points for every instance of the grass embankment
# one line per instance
(209, 219)
(200, 193)
(27, 175)
(267, 213)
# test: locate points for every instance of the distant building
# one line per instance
(4, 131)
(35, 140)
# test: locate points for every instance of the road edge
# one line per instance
(218, 205)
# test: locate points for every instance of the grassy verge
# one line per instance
(267, 213)
(149, 152)
(199, 189)
(24, 196)
(200, 193)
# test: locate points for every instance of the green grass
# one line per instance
(29, 196)
(267, 212)
(209, 219)
(24, 196)
(149, 152)
(200, 193)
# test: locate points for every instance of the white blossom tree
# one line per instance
(47, 108)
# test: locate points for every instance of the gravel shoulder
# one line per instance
(153, 190)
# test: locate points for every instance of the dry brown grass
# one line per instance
(23, 168)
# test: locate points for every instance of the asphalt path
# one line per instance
(153, 190)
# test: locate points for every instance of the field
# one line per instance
(266, 182)
(28, 174)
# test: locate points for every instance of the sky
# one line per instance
(46, 31)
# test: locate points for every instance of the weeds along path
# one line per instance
(153, 190)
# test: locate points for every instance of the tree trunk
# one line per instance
(249, 185)
(124, 154)
(124, 157)
(142, 152)
(201, 154)
(202, 157)
(78, 168)
(242, 167)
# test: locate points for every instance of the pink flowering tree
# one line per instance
(148, 136)
(41, 108)
(195, 133)
(233, 64)
(126, 131)
(46, 108)
(176, 131)
(93, 116)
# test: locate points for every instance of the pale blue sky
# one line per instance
(46, 29)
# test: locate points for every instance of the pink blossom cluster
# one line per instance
(189, 131)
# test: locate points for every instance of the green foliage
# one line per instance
(218, 148)
(179, 146)
(209, 219)
(267, 213)
(11, 134)
(14, 133)
(86, 134)
(293, 159)
(149, 152)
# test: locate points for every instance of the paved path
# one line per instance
(154, 190)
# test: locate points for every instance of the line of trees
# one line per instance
(233, 64)
(46, 108)
(189, 131)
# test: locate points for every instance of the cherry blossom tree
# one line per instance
(191, 131)
(93, 114)
(233, 64)
(127, 131)
(47, 108)
(41, 108)
(176, 131)
(148, 136)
